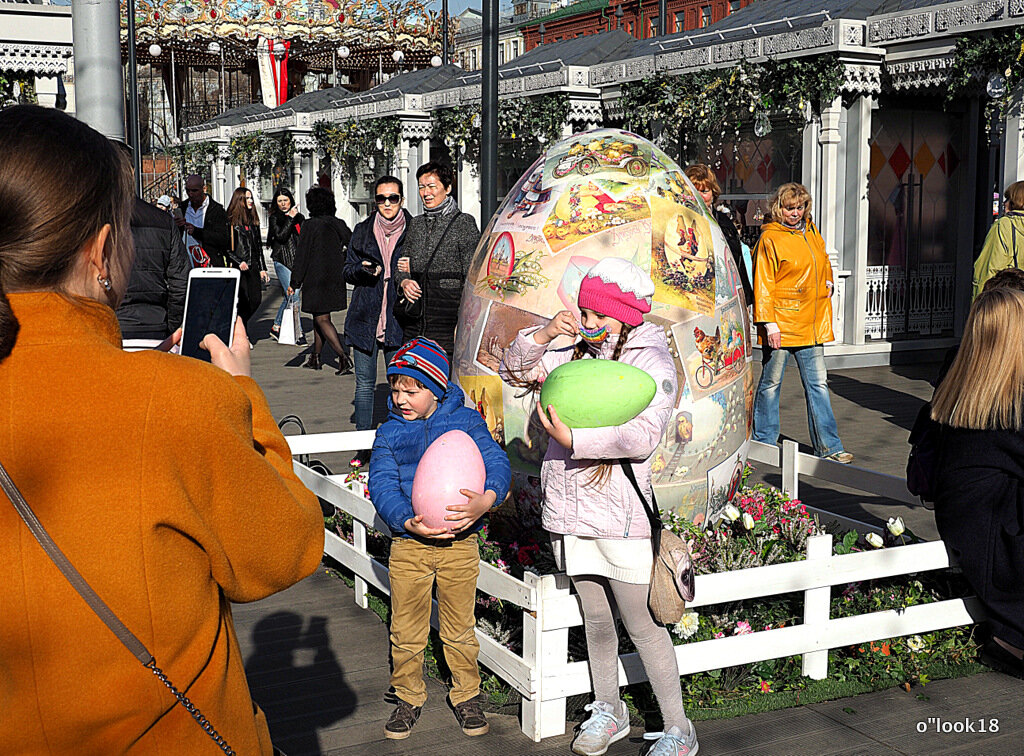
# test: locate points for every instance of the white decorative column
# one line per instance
(469, 191)
(855, 229)
(810, 168)
(296, 170)
(1013, 153)
(828, 173)
(220, 174)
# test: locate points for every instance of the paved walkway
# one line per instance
(318, 664)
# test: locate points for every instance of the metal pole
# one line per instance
(223, 100)
(444, 32)
(99, 91)
(489, 113)
(133, 101)
(662, 12)
(174, 97)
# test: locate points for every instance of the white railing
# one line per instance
(899, 305)
(543, 674)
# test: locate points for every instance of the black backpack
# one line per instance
(924, 452)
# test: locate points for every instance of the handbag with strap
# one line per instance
(410, 312)
(672, 578)
(103, 611)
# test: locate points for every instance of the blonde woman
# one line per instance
(1004, 244)
(979, 508)
(793, 310)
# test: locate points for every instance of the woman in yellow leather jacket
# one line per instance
(793, 310)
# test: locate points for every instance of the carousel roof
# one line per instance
(314, 28)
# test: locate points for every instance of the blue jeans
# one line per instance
(366, 382)
(820, 420)
(284, 277)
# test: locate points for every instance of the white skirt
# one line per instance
(625, 560)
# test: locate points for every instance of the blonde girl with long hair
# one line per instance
(979, 506)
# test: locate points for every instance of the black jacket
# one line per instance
(732, 238)
(246, 247)
(320, 264)
(979, 511)
(152, 307)
(215, 235)
(283, 237)
(368, 290)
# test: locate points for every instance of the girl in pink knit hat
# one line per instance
(599, 530)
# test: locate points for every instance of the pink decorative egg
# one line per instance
(451, 463)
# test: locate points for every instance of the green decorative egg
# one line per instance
(597, 393)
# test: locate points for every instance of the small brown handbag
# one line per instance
(672, 579)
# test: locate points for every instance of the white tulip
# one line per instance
(731, 513)
(875, 540)
(748, 521)
(896, 526)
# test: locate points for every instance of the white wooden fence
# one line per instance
(543, 674)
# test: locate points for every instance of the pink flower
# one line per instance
(767, 627)
(742, 628)
(766, 687)
(719, 635)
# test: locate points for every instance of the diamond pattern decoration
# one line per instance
(766, 169)
(877, 161)
(899, 161)
(942, 162)
(924, 160)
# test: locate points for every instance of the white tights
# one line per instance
(651, 640)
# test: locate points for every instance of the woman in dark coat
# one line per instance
(439, 246)
(979, 505)
(283, 240)
(705, 182)
(320, 272)
(370, 325)
(246, 252)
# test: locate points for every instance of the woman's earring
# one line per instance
(104, 282)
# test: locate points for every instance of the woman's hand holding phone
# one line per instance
(234, 360)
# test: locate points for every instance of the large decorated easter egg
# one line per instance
(609, 193)
(597, 393)
(452, 462)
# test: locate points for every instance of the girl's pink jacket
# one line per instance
(572, 506)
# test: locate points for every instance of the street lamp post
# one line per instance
(444, 32)
(489, 111)
(541, 30)
(133, 100)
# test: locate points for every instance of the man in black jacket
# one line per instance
(207, 223)
(154, 304)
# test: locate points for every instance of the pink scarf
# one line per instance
(387, 233)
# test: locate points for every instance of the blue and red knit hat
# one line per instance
(426, 361)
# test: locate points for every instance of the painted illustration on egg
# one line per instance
(609, 193)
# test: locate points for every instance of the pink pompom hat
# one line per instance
(617, 288)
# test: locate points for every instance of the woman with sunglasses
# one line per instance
(370, 325)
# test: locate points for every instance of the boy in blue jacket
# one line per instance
(423, 406)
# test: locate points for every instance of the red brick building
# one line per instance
(639, 18)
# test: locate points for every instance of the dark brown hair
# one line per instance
(1008, 278)
(61, 182)
(238, 213)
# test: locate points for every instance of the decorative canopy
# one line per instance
(315, 28)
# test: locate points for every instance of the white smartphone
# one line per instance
(211, 304)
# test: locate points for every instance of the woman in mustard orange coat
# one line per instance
(163, 479)
(793, 309)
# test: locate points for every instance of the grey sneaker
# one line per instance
(672, 742)
(602, 729)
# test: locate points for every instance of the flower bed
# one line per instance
(763, 527)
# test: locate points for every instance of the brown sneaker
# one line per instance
(842, 457)
(471, 718)
(400, 723)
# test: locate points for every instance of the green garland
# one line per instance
(28, 89)
(525, 125)
(261, 152)
(193, 157)
(706, 107)
(978, 58)
(352, 143)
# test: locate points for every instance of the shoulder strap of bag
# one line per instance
(95, 603)
(440, 241)
(653, 514)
